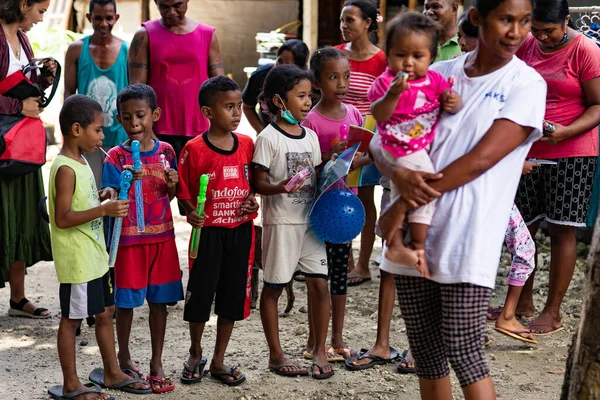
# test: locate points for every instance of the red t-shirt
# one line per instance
(362, 76)
(564, 71)
(229, 178)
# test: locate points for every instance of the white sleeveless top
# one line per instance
(16, 64)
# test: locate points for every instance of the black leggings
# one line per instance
(337, 263)
(445, 323)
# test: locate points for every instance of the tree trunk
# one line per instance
(582, 378)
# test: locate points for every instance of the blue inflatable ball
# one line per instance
(337, 217)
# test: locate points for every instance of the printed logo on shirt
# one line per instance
(295, 163)
(496, 96)
(230, 193)
(231, 172)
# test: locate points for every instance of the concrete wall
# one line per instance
(236, 23)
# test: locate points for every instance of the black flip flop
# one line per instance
(402, 359)
(97, 377)
(278, 370)
(322, 374)
(200, 365)
(376, 360)
(221, 377)
(56, 392)
(358, 281)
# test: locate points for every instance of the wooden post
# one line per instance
(145, 10)
(381, 26)
(412, 5)
(582, 377)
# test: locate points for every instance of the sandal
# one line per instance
(156, 380)
(345, 352)
(221, 376)
(333, 356)
(56, 392)
(16, 310)
(322, 374)
(403, 359)
(493, 313)
(200, 365)
(375, 360)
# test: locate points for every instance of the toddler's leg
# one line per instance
(418, 234)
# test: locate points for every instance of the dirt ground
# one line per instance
(29, 362)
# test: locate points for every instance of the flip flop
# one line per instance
(333, 356)
(220, 376)
(402, 359)
(277, 369)
(486, 340)
(358, 280)
(16, 310)
(97, 377)
(133, 372)
(345, 352)
(56, 392)
(308, 355)
(375, 360)
(322, 375)
(493, 313)
(552, 330)
(156, 379)
(200, 365)
(517, 335)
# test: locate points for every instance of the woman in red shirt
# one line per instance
(560, 194)
(367, 62)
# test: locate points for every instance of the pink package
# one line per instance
(296, 179)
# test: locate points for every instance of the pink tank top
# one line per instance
(178, 67)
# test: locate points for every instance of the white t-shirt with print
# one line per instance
(464, 241)
(283, 155)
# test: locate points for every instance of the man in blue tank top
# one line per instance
(96, 66)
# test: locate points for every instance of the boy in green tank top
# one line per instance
(96, 66)
(79, 250)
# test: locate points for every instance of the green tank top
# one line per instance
(80, 252)
(103, 85)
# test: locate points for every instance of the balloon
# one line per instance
(337, 217)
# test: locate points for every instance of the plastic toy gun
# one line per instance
(139, 195)
(126, 177)
(199, 210)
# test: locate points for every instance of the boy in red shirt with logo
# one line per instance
(226, 251)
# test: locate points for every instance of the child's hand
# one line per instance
(451, 101)
(172, 177)
(360, 161)
(528, 167)
(108, 193)
(115, 208)
(249, 206)
(195, 220)
(339, 147)
(137, 173)
(399, 85)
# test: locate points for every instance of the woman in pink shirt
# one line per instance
(560, 194)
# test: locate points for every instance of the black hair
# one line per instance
(137, 91)
(102, 3)
(78, 109)
(299, 51)
(279, 81)
(10, 10)
(212, 86)
(485, 7)
(368, 10)
(551, 11)
(468, 28)
(413, 22)
(319, 56)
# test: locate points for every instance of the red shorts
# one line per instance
(147, 271)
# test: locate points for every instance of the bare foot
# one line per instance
(191, 362)
(157, 371)
(224, 373)
(400, 254)
(284, 365)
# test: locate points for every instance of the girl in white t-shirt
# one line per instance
(479, 153)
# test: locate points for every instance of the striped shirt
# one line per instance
(362, 75)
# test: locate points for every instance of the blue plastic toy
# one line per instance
(337, 217)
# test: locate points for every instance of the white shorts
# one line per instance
(290, 248)
(418, 161)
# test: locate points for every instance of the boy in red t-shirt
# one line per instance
(226, 251)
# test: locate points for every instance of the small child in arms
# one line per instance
(407, 100)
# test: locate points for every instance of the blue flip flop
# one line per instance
(97, 377)
(56, 392)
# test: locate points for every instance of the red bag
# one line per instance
(22, 145)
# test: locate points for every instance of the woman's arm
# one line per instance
(586, 121)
